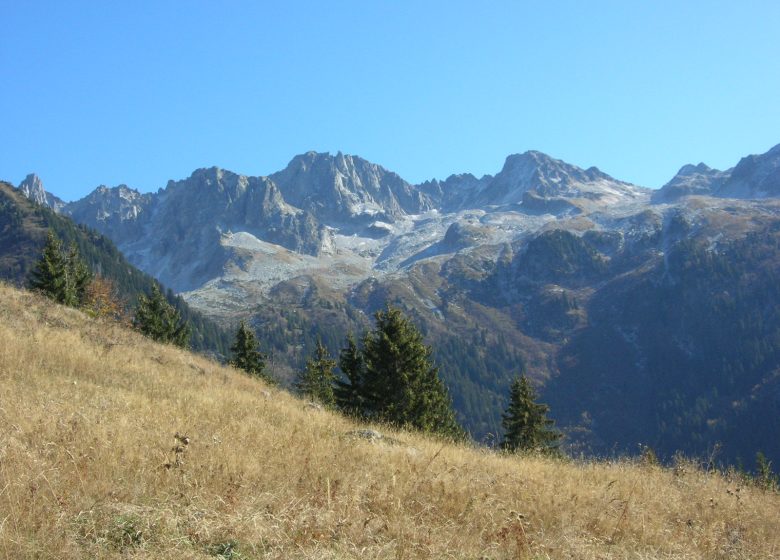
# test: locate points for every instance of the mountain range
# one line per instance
(617, 299)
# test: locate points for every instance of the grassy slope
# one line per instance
(88, 412)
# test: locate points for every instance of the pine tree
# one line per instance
(50, 273)
(246, 353)
(159, 320)
(316, 379)
(78, 276)
(60, 276)
(348, 394)
(525, 421)
(401, 384)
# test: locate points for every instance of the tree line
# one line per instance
(387, 376)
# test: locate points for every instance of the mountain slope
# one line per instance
(92, 467)
(23, 227)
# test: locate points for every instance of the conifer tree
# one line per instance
(348, 393)
(525, 421)
(50, 273)
(78, 276)
(246, 353)
(159, 320)
(60, 276)
(401, 384)
(316, 380)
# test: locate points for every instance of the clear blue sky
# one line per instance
(142, 92)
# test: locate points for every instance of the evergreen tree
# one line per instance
(348, 394)
(246, 354)
(525, 421)
(159, 320)
(50, 273)
(78, 276)
(60, 276)
(401, 385)
(316, 379)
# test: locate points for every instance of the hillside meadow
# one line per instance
(112, 446)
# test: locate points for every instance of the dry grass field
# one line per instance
(90, 468)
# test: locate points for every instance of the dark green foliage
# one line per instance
(688, 351)
(316, 380)
(78, 275)
(61, 276)
(347, 393)
(400, 384)
(560, 255)
(525, 422)
(159, 320)
(49, 275)
(245, 353)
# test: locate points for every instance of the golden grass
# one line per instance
(88, 413)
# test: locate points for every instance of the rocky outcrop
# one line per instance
(347, 188)
(699, 180)
(32, 188)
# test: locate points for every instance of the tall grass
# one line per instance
(112, 446)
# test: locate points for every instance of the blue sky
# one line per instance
(142, 92)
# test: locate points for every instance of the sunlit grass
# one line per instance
(90, 468)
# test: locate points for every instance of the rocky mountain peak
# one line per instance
(691, 179)
(550, 177)
(755, 176)
(344, 187)
(32, 188)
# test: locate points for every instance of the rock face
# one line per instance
(32, 188)
(754, 177)
(117, 212)
(347, 188)
(551, 178)
(175, 234)
(692, 180)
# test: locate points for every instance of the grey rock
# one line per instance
(32, 188)
(699, 180)
(344, 187)
(755, 176)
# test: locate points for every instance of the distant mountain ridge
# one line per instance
(755, 176)
(305, 206)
